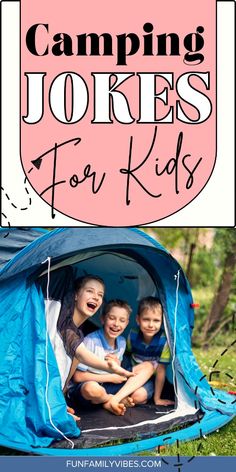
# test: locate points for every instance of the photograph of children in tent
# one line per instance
(97, 345)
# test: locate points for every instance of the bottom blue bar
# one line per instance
(119, 464)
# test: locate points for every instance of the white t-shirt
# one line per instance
(97, 343)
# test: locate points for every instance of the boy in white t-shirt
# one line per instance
(97, 386)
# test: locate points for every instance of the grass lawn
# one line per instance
(222, 442)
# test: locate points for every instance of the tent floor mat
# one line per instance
(98, 426)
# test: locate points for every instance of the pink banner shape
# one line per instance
(118, 106)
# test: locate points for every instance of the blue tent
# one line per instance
(33, 413)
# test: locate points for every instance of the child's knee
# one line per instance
(140, 396)
(91, 390)
(144, 366)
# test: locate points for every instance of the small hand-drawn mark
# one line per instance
(13, 204)
(8, 223)
(217, 373)
(181, 460)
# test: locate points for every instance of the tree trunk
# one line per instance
(225, 322)
(191, 251)
(222, 294)
(190, 258)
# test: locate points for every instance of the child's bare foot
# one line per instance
(162, 402)
(128, 402)
(118, 409)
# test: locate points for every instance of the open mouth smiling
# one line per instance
(115, 331)
(91, 305)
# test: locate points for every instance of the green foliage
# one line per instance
(203, 296)
(176, 237)
(203, 269)
(169, 237)
(225, 241)
(202, 253)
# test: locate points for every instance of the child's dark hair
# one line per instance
(116, 303)
(148, 303)
(81, 281)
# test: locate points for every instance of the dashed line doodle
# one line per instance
(13, 204)
(217, 373)
(181, 460)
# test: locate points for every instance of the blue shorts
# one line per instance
(149, 387)
(74, 397)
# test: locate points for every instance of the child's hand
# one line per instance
(117, 369)
(162, 402)
(71, 412)
(112, 357)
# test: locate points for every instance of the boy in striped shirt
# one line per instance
(150, 354)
